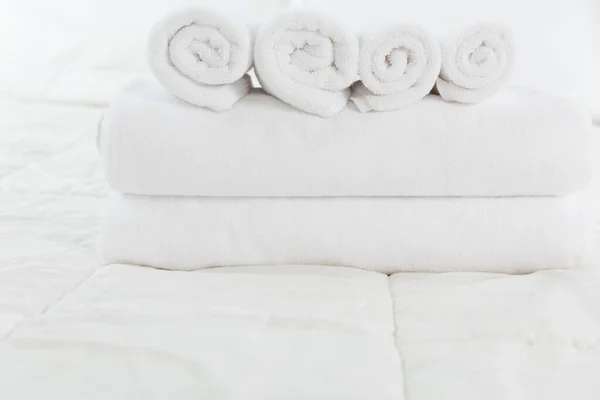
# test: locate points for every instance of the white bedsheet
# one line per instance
(70, 329)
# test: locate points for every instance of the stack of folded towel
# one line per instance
(292, 174)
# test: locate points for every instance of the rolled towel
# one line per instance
(397, 67)
(476, 64)
(308, 60)
(202, 57)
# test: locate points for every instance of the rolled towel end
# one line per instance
(307, 60)
(201, 57)
(398, 67)
(476, 64)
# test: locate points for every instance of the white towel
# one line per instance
(398, 67)
(383, 234)
(519, 143)
(475, 63)
(202, 57)
(308, 60)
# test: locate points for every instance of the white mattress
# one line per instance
(70, 329)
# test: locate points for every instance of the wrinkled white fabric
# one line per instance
(519, 143)
(254, 333)
(498, 337)
(398, 67)
(510, 235)
(299, 332)
(202, 56)
(476, 63)
(307, 59)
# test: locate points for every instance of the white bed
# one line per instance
(72, 329)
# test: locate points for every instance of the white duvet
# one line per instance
(310, 333)
(71, 329)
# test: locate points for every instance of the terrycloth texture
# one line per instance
(519, 143)
(475, 64)
(387, 235)
(202, 57)
(398, 67)
(308, 60)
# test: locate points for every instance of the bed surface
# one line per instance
(71, 329)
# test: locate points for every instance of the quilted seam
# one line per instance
(50, 304)
(398, 351)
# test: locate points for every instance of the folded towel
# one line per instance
(308, 60)
(383, 234)
(397, 67)
(519, 143)
(201, 57)
(475, 64)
